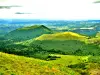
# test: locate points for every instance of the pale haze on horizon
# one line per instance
(52, 9)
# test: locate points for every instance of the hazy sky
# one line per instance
(51, 9)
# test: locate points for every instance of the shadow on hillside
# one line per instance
(43, 49)
(68, 47)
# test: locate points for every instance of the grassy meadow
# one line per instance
(66, 65)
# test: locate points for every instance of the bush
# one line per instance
(80, 65)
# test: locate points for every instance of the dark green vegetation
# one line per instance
(27, 33)
(37, 50)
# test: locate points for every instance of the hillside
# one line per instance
(5, 29)
(66, 65)
(27, 33)
(61, 36)
(63, 43)
(98, 35)
(55, 54)
(87, 32)
(19, 65)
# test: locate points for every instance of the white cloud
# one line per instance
(53, 9)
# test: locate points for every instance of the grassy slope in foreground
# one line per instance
(66, 65)
(27, 33)
(62, 36)
(19, 65)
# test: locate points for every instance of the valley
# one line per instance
(50, 48)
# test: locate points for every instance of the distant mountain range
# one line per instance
(38, 21)
(78, 26)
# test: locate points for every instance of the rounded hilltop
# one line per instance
(61, 36)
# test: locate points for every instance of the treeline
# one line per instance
(28, 51)
(37, 51)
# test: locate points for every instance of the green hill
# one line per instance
(27, 33)
(19, 65)
(61, 36)
(66, 65)
(57, 54)
(64, 43)
(98, 35)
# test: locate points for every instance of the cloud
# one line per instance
(8, 7)
(22, 13)
(51, 9)
(97, 1)
(2, 0)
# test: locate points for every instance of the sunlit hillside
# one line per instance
(98, 35)
(49, 37)
(19, 65)
(66, 65)
(61, 36)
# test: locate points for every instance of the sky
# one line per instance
(51, 9)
